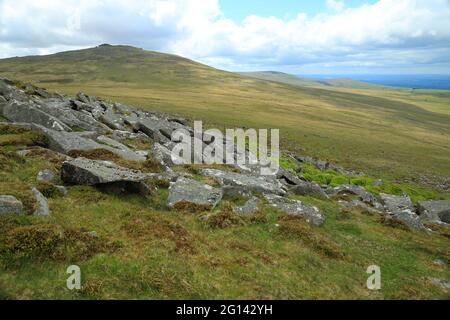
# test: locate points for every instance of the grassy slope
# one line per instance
(384, 132)
(146, 252)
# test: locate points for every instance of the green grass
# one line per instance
(144, 251)
(401, 135)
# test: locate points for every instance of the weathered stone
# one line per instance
(347, 189)
(29, 113)
(120, 149)
(305, 188)
(251, 206)
(236, 191)
(105, 174)
(46, 175)
(9, 204)
(255, 183)
(65, 142)
(42, 209)
(359, 205)
(62, 190)
(296, 208)
(394, 204)
(193, 193)
(434, 211)
(164, 156)
(288, 178)
(444, 284)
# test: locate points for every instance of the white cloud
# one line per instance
(335, 5)
(388, 34)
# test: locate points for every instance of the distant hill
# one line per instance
(280, 77)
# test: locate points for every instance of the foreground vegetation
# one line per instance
(142, 250)
(401, 135)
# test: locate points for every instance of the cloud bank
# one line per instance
(390, 35)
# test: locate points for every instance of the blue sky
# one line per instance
(293, 36)
(237, 10)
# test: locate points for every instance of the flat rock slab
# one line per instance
(9, 204)
(65, 142)
(297, 208)
(188, 192)
(255, 183)
(83, 171)
(361, 193)
(434, 211)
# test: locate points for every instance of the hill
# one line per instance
(389, 133)
(281, 78)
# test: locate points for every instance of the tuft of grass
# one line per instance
(189, 207)
(225, 218)
(47, 189)
(294, 227)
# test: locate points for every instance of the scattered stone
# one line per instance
(105, 174)
(236, 191)
(296, 208)
(439, 263)
(251, 206)
(42, 203)
(9, 204)
(359, 205)
(434, 211)
(304, 188)
(378, 183)
(193, 194)
(46, 175)
(255, 183)
(444, 284)
(62, 190)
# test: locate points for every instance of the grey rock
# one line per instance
(305, 188)
(395, 204)
(164, 156)
(62, 190)
(434, 211)
(251, 206)
(193, 192)
(29, 113)
(410, 219)
(159, 130)
(46, 175)
(439, 263)
(65, 142)
(120, 149)
(378, 183)
(104, 174)
(296, 208)
(81, 96)
(444, 284)
(288, 178)
(236, 191)
(9, 204)
(255, 183)
(42, 209)
(361, 193)
(359, 205)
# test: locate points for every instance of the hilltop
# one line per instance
(389, 133)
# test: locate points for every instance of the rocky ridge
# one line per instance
(84, 123)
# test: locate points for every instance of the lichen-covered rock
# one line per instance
(105, 174)
(296, 208)
(46, 175)
(304, 188)
(9, 204)
(434, 211)
(30, 113)
(190, 193)
(251, 206)
(394, 204)
(255, 183)
(42, 203)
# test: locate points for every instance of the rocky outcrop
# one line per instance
(304, 188)
(434, 211)
(104, 174)
(191, 194)
(296, 208)
(9, 204)
(258, 184)
(402, 209)
(348, 190)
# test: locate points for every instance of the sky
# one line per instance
(293, 36)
